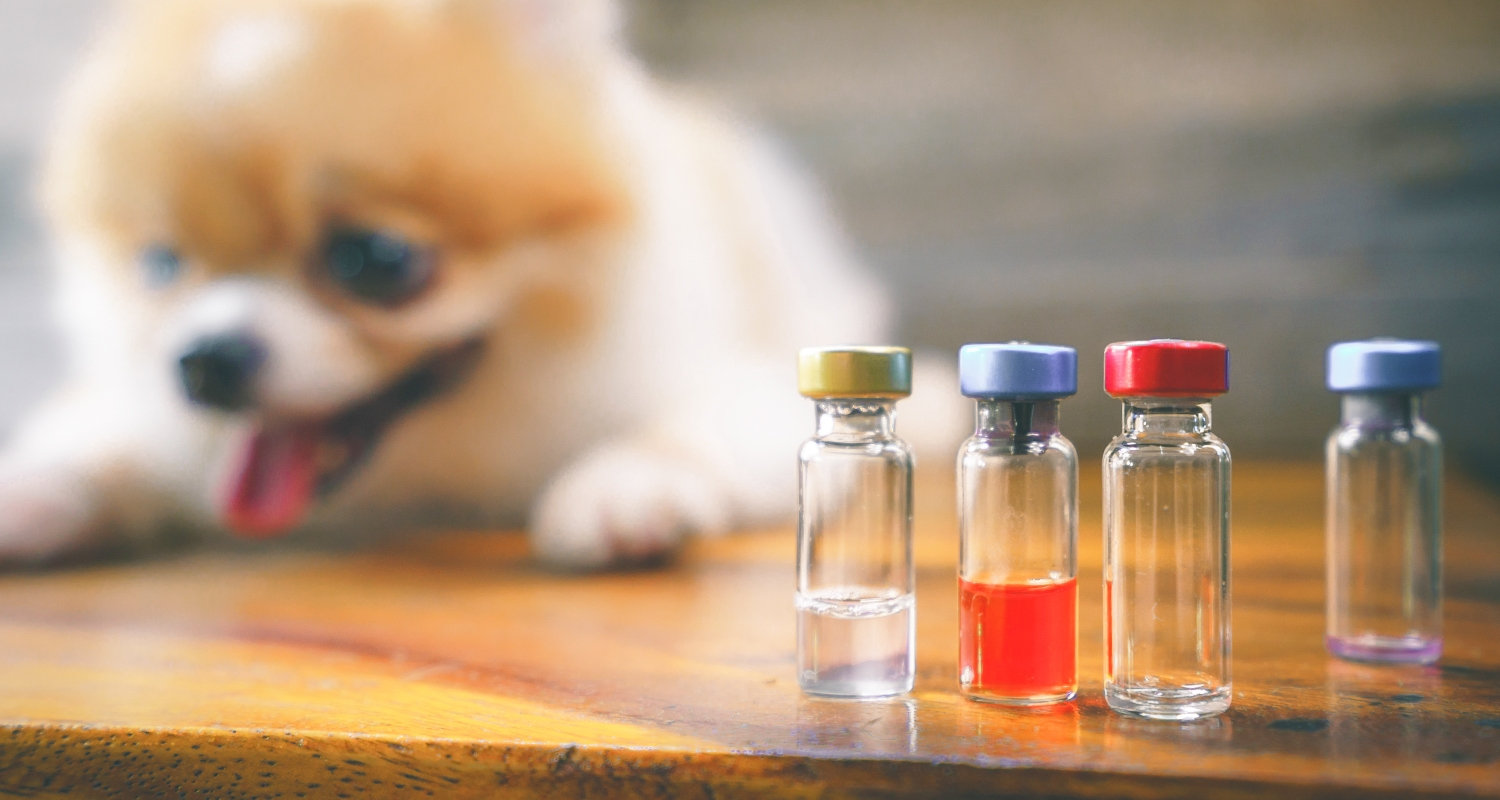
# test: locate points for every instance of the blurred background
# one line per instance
(1274, 175)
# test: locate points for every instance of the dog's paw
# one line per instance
(624, 504)
(44, 515)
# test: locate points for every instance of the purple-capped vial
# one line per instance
(1385, 492)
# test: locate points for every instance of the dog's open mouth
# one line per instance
(286, 465)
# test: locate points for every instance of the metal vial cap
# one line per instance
(835, 372)
(1376, 365)
(1017, 371)
(1166, 368)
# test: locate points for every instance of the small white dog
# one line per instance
(334, 263)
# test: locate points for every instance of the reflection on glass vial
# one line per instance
(1384, 524)
(1166, 533)
(1018, 527)
(856, 608)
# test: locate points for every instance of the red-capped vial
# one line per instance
(1166, 533)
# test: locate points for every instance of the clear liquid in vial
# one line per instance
(856, 642)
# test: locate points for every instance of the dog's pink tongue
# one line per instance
(274, 482)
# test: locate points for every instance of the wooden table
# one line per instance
(451, 666)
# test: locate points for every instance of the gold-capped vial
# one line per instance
(834, 372)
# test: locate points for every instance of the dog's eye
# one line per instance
(161, 264)
(377, 266)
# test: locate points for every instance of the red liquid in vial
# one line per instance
(1019, 641)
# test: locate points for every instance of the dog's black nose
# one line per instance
(218, 371)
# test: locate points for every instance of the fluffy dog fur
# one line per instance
(639, 269)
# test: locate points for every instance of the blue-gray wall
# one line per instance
(1276, 176)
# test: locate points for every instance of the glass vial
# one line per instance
(1166, 533)
(1018, 527)
(856, 605)
(1384, 509)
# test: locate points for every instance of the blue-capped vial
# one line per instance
(1384, 513)
(1018, 527)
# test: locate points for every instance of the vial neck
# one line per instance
(1167, 416)
(1017, 421)
(856, 419)
(1381, 409)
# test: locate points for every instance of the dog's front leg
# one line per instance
(708, 466)
(71, 483)
(629, 500)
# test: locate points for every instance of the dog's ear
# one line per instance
(553, 28)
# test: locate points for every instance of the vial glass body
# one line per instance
(856, 608)
(1384, 531)
(1018, 548)
(1166, 563)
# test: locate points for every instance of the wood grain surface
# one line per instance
(448, 665)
